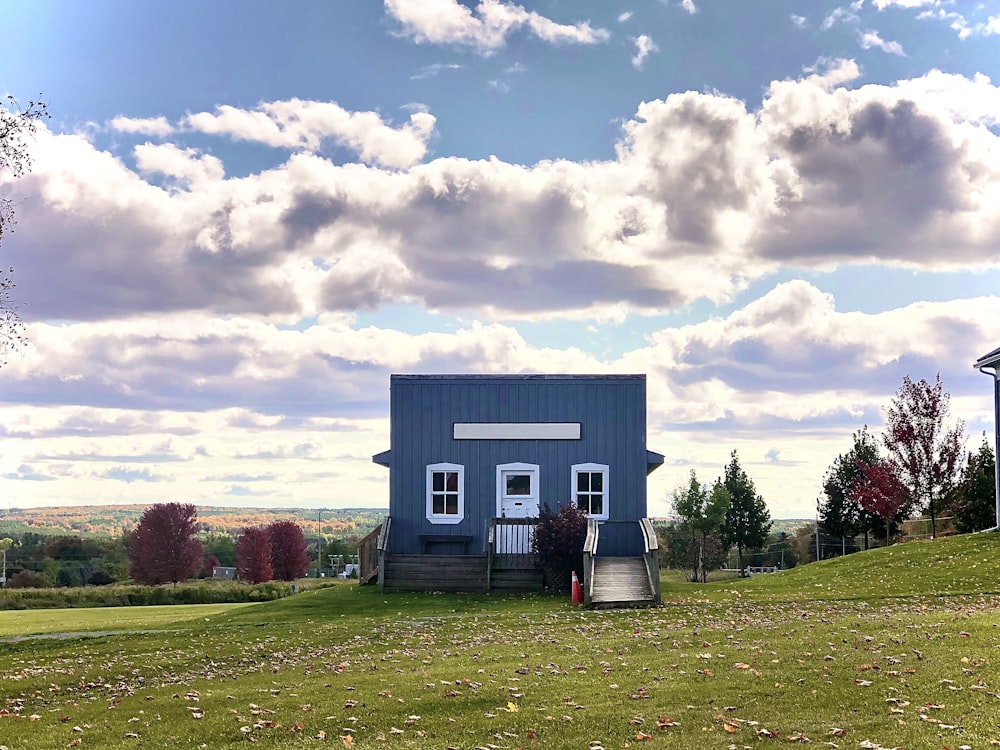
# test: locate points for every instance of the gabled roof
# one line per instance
(989, 360)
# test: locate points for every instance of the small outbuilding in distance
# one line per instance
(474, 458)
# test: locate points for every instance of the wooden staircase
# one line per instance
(618, 581)
(621, 582)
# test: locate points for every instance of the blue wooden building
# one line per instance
(474, 458)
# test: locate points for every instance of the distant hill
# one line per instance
(113, 520)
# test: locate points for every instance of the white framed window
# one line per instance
(590, 489)
(445, 493)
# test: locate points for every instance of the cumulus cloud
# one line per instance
(817, 175)
(154, 126)
(644, 46)
(186, 165)
(689, 6)
(486, 28)
(789, 364)
(305, 125)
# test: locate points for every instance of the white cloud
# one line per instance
(186, 165)
(183, 399)
(869, 39)
(800, 22)
(843, 14)
(429, 71)
(155, 126)
(689, 6)
(819, 175)
(644, 46)
(298, 124)
(486, 29)
(624, 16)
(963, 25)
(883, 4)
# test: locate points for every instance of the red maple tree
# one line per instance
(163, 547)
(879, 490)
(253, 555)
(289, 557)
(926, 452)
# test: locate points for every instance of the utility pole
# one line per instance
(319, 541)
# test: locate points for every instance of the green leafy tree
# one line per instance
(221, 546)
(924, 451)
(747, 520)
(975, 498)
(838, 516)
(702, 512)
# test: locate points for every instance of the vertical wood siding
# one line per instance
(610, 409)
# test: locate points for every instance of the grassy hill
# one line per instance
(893, 648)
(966, 564)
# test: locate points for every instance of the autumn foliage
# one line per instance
(289, 557)
(878, 490)
(163, 547)
(925, 451)
(253, 556)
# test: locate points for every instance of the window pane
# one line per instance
(597, 481)
(437, 481)
(596, 505)
(437, 504)
(452, 481)
(451, 505)
(583, 503)
(519, 484)
(583, 481)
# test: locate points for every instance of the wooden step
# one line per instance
(435, 573)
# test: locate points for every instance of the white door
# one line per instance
(517, 497)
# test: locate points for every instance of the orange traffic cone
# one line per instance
(577, 590)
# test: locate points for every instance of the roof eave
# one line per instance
(989, 360)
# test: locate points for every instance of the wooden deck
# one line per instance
(609, 581)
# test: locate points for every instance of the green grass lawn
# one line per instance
(893, 648)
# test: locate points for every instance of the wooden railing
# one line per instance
(589, 552)
(651, 556)
(508, 544)
(371, 553)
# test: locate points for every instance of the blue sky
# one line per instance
(241, 219)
